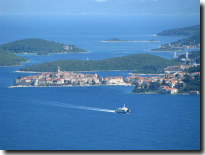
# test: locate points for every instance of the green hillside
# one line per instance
(189, 42)
(142, 63)
(192, 41)
(10, 59)
(39, 46)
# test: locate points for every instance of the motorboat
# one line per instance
(123, 110)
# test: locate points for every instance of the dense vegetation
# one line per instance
(189, 42)
(39, 46)
(142, 63)
(185, 31)
(10, 59)
(191, 84)
(153, 88)
(193, 41)
(193, 69)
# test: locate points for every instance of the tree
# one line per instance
(154, 86)
(187, 79)
(164, 83)
(136, 85)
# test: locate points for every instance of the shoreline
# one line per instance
(16, 65)
(144, 74)
(93, 71)
(21, 86)
(50, 53)
(148, 93)
(76, 71)
(172, 50)
(145, 93)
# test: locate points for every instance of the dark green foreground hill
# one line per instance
(10, 59)
(39, 46)
(142, 63)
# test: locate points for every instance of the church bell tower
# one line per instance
(59, 70)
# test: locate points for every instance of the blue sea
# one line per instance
(83, 118)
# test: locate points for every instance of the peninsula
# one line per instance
(40, 47)
(118, 40)
(178, 81)
(65, 78)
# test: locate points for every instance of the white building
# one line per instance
(114, 80)
(187, 55)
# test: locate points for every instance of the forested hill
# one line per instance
(10, 59)
(142, 63)
(185, 31)
(191, 41)
(39, 46)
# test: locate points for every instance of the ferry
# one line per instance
(123, 110)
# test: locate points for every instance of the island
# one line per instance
(118, 40)
(40, 47)
(10, 59)
(141, 63)
(192, 41)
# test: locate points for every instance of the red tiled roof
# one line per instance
(132, 77)
(171, 88)
(163, 86)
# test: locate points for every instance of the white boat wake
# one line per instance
(79, 107)
(59, 104)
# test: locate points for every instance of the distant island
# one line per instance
(118, 40)
(141, 63)
(39, 46)
(10, 59)
(192, 41)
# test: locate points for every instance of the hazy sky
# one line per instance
(98, 7)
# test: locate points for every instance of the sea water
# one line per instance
(83, 118)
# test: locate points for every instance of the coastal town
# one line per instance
(63, 78)
(174, 75)
(169, 83)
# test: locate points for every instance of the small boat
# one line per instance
(123, 110)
